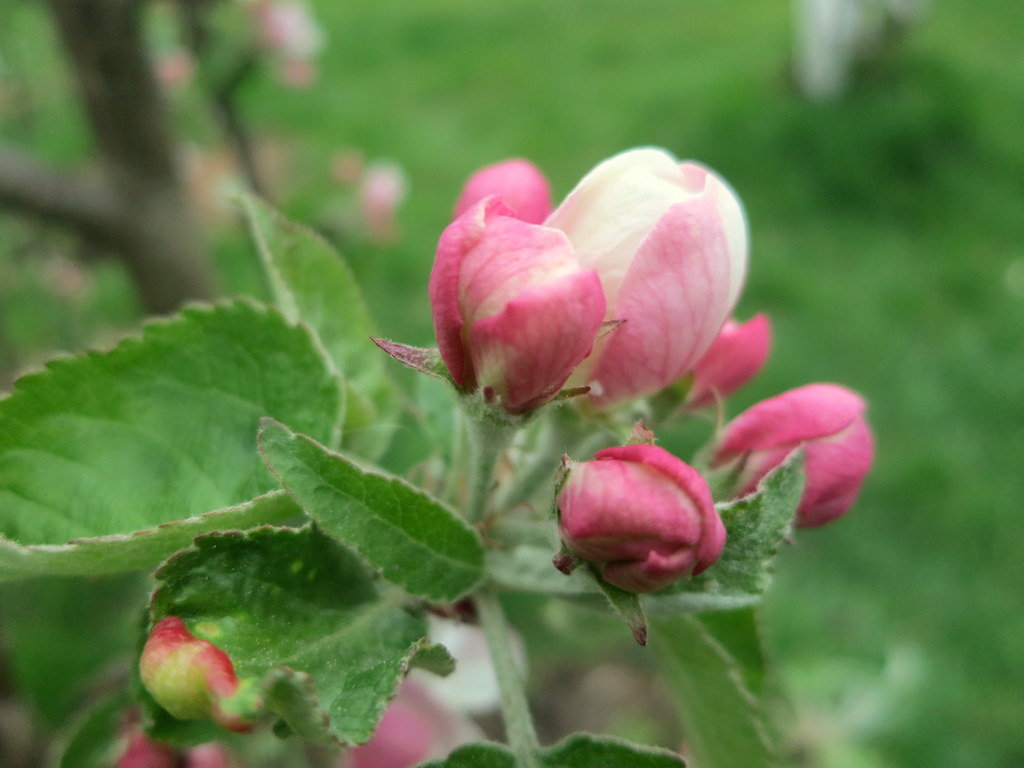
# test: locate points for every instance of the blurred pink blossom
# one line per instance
(382, 189)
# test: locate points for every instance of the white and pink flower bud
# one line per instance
(520, 184)
(189, 677)
(514, 312)
(669, 241)
(642, 516)
(288, 30)
(735, 357)
(828, 421)
(382, 189)
(175, 69)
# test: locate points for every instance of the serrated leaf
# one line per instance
(159, 429)
(297, 611)
(312, 283)
(756, 526)
(434, 658)
(414, 540)
(139, 549)
(581, 750)
(722, 719)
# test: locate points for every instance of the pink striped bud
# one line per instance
(189, 677)
(735, 357)
(519, 183)
(828, 421)
(669, 241)
(642, 516)
(513, 311)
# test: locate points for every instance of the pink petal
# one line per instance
(805, 413)
(520, 184)
(674, 299)
(835, 471)
(735, 357)
(690, 481)
(526, 352)
(456, 241)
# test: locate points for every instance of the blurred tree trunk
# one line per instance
(135, 204)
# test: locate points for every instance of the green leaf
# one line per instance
(723, 721)
(434, 658)
(140, 549)
(414, 540)
(312, 283)
(159, 429)
(756, 526)
(298, 612)
(581, 750)
(626, 604)
(739, 633)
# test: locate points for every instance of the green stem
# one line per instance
(486, 442)
(514, 709)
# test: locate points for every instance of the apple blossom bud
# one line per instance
(520, 184)
(382, 190)
(735, 357)
(513, 311)
(416, 727)
(828, 421)
(669, 241)
(642, 516)
(189, 677)
(142, 752)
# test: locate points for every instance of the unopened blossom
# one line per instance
(514, 313)
(189, 677)
(519, 183)
(827, 420)
(735, 357)
(288, 30)
(642, 516)
(382, 190)
(415, 728)
(669, 241)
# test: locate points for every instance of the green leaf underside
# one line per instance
(312, 283)
(297, 611)
(721, 718)
(161, 428)
(581, 750)
(627, 605)
(414, 540)
(756, 526)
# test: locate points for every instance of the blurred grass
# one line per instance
(888, 247)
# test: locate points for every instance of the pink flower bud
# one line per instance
(287, 27)
(189, 677)
(734, 358)
(142, 752)
(513, 311)
(828, 421)
(175, 68)
(415, 728)
(643, 516)
(209, 756)
(669, 242)
(520, 184)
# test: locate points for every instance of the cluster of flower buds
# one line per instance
(652, 246)
(625, 288)
(191, 678)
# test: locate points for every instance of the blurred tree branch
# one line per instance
(135, 204)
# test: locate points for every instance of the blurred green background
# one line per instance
(887, 247)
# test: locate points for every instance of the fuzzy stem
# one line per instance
(515, 710)
(486, 441)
